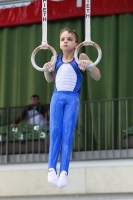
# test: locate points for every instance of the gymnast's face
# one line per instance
(67, 41)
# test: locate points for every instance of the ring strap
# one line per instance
(87, 21)
(44, 22)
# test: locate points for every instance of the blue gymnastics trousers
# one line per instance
(64, 108)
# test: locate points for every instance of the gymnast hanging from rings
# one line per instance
(64, 104)
(67, 70)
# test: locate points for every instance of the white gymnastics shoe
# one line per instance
(52, 177)
(62, 182)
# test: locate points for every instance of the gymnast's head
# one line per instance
(73, 32)
(68, 35)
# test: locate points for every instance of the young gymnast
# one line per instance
(64, 106)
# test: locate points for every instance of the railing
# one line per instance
(104, 131)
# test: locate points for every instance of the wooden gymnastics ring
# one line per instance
(44, 44)
(88, 41)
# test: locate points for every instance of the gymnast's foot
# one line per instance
(62, 179)
(52, 177)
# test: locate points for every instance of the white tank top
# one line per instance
(66, 78)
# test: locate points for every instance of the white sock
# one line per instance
(52, 176)
(62, 179)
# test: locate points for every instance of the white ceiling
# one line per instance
(14, 3)
(18, 3)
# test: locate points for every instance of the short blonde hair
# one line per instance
(73, 32)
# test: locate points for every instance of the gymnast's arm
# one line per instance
(49, 76)
(95, 72)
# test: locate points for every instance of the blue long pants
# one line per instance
(64, 109)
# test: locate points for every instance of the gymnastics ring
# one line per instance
(88, 43)
(43, 46)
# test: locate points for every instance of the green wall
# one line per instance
(19, 80)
